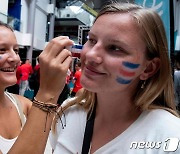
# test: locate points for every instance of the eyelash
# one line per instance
(118, 51)
(3, 50)
(91, 41)
(113, 48)
(110, 48)
(16, 51)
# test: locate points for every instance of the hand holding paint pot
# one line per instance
(54, 62)
(75, 48)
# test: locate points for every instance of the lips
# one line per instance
(8, 69)
(93, 71)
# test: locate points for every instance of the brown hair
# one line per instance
(5, 25)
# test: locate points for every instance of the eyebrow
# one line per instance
(90, 33)
(121, 44)
(17, 45)
(116, 41)
(6, 44)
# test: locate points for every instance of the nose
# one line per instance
(13, 56)
(95, 54)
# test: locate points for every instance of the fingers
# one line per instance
(54, 63)
(67, 63)
(63, 55)
(56, 45)
(55, 57)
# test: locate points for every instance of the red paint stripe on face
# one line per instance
(126, 73)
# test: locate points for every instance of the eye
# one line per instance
(116, 49)
(91, 40)
(2, 50)
(16, 51)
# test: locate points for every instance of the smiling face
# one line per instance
(9, 58)
(113, 58)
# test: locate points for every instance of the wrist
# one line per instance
(46, 97)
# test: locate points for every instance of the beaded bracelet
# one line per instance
(46, 107)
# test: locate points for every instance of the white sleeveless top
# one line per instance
(6, 144)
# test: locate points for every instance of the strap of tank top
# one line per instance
(21, 114)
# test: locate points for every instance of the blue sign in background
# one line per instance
(162, 8)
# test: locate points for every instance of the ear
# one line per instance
(151, 69)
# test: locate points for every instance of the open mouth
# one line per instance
(7, 69)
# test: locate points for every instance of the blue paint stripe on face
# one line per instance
(0, 57)
(123, 81)
(130, 65)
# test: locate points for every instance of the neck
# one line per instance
(114, 114)
(117, 107)
(3, 99)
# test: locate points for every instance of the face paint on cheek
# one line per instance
(122, 81)
(0, 57)
(130, 65)
(127, 72)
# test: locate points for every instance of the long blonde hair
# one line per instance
(158, 92)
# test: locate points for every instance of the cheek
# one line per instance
(18, 58)
(126, 72)
(83, 55)
(3, 58)
(82, 58)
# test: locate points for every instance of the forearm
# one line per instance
(33, 137)
(54, 61)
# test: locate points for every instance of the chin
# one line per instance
(11, 83)
(89, 86)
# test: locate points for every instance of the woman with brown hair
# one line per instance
(128, 93)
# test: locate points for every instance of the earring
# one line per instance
(143, 84)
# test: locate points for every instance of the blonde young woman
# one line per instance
(14, 109)
(127, 105)
(128, 101)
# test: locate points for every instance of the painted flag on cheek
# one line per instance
(127, 72)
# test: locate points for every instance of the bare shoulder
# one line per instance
(25, 103)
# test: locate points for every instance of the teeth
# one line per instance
(7, 69)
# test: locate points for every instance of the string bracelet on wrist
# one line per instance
(46, 107)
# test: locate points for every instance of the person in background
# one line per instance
(34, 80)
(177, 80)
(26, 70)
(14, 109)
(76, 79)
